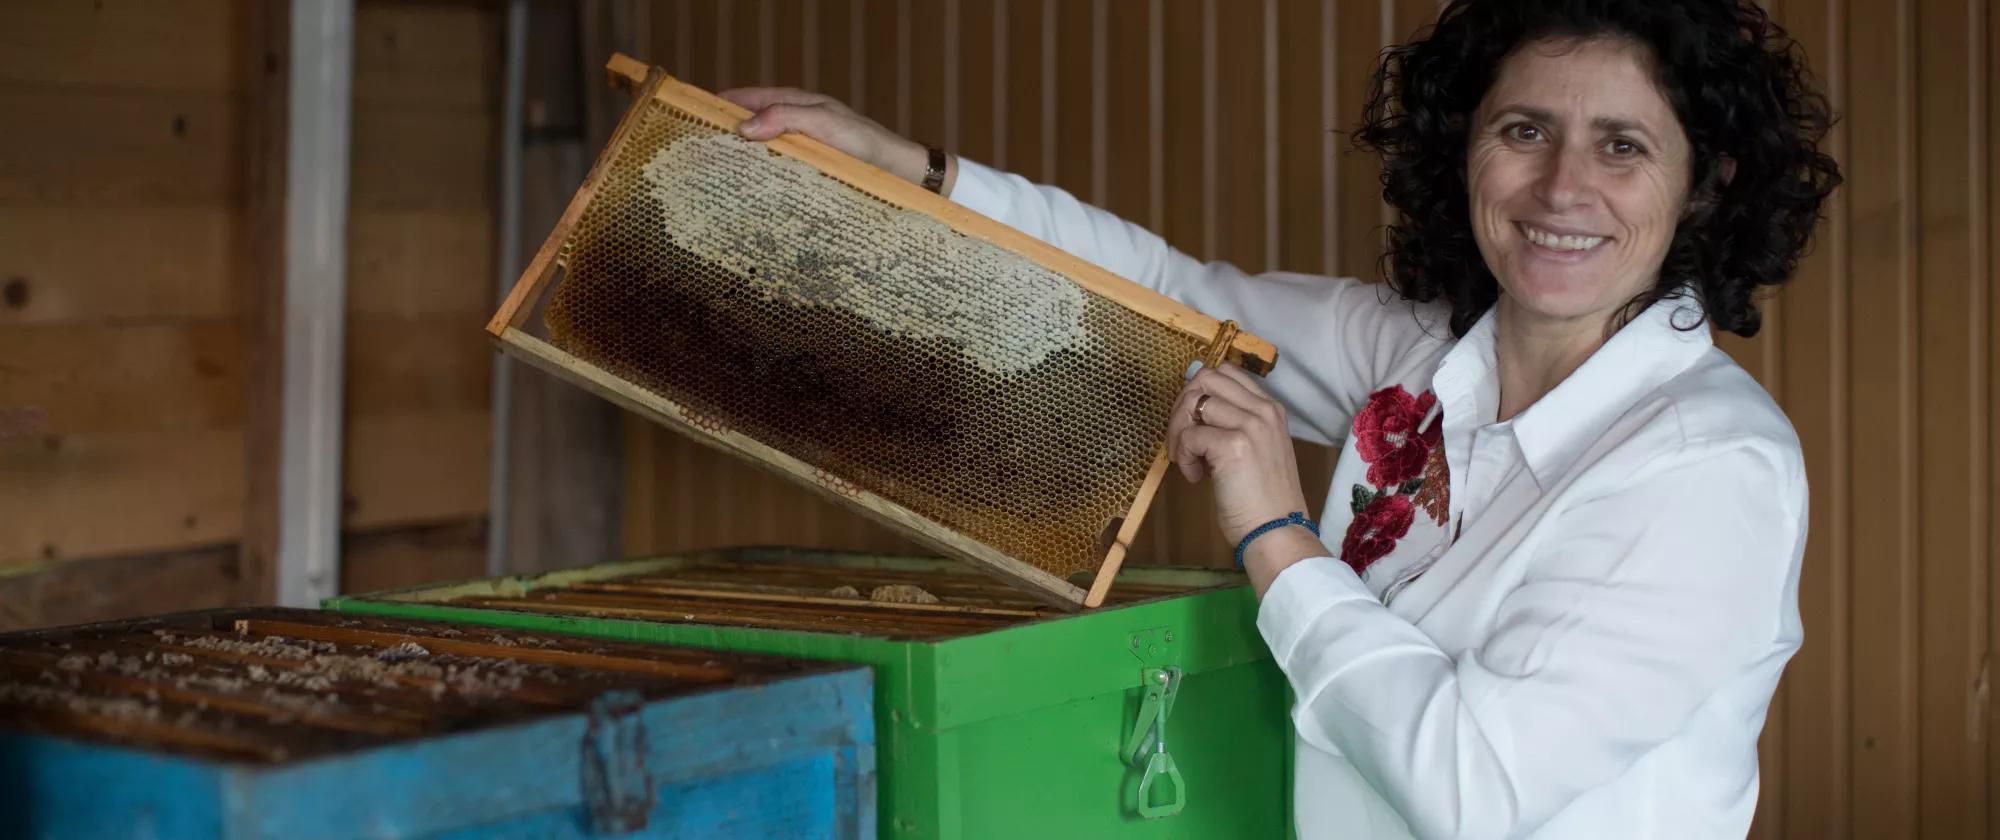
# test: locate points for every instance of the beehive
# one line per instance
(294, 724)
(992, 397)
(996, 716)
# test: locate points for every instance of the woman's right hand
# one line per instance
(776, 110)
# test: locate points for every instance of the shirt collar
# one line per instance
(1647, 352)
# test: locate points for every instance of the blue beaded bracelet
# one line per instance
(1296, 517)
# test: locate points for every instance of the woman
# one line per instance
(1565, 529)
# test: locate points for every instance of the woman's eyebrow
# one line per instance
(1620, 125)
(1612, 125)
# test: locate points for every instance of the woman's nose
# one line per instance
(1565, 179)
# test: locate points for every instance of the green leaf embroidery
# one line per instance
(1411, 486)
(1362, 496)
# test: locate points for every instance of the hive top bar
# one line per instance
(276, 685)
(982, 392)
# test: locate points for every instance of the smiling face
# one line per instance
(1577, 172)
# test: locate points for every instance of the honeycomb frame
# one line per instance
(545, 290)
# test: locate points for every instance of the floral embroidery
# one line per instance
(1406, 473)
(1386, 434)
(1373, 532)
(1435, 494)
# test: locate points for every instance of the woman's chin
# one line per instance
(1551, 301)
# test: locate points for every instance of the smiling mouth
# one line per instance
(1560, 242)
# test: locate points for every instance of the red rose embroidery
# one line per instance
(1373, 532)
(1386, 435)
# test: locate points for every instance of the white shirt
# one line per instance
(1593, 655)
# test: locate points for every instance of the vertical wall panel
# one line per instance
(1881, 403)
(1952, 402)
(1812, 787)
(1023, 152)
(978, 100)
(1357, 43)
(1990, 72)
(926, 43)
(1075, 127)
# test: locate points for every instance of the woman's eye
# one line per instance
(1523, 132)
(1620, 147)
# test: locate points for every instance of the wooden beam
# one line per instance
(269, 76)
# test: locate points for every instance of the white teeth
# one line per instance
(1562, 243)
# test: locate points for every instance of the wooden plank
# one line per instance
(373, 561)
(171, 262)
(1358, 211)
(1882, 405)
(1025, 152)
(419, 158)
(1812, 791)
(882, 91)
(439, 55)
(113, 146)
(411, 263)
(1128, 106)
(926, 39)
(787, 24)
(89, 379)
(1075, 103)
(260, 286)
(193, 46)
(1992, 273)
(978, 95)
(744, 31)
(1952, 389)
(1239, 132)
(1302, 158)
(431, 364)
(642, 522)
(1411, 16)
(106, 493)
(107, 588)
(416, 467)
(837, 56)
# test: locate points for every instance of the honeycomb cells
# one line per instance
(992, 396)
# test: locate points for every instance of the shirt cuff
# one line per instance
(1302, 593)
(981, 189)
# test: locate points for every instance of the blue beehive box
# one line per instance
(300, 724)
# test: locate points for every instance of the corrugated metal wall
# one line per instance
(1214, 124)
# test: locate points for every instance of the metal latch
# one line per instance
(1146, 745)
(617, 789)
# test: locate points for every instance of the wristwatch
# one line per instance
(934, 174)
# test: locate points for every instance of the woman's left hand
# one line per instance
(1242, 443)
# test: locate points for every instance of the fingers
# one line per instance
(1241, 377)
(756, 99)
(1232, 407)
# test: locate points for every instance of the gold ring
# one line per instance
(1199, 404)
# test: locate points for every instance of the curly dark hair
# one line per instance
(1737, 82)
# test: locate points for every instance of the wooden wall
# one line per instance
(422, 246)
(1214, 124)
(134, 312)
(122, 317)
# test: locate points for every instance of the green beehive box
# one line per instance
(995, 716)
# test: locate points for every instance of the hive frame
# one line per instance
(646, 82)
